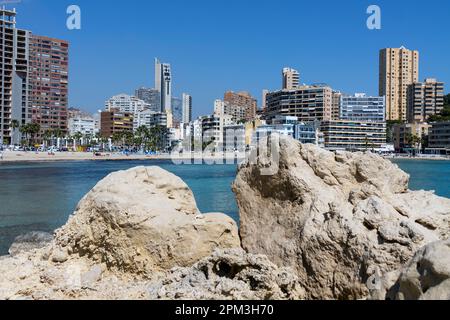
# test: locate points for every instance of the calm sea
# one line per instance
(41, 196)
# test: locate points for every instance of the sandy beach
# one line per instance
(20, 156)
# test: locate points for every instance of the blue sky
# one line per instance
(219, 45)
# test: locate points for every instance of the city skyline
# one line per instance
(205, 69)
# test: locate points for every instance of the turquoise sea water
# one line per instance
(41, 196)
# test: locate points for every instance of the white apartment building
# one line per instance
(126, 103)
(82, 124)
(163, 83)
(186, 108)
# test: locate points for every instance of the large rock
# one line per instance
(427, 276)
(141, 220)
(229, 274)
(340, 220)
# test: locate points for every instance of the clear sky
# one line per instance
(219, 45)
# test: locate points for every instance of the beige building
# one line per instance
(307, 103)
(353, 135)
(291, 79)
(399, 68)
(409, 135)
(241, 105)
(425, 99)
(336, 105)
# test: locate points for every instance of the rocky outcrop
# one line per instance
(340, 220)
(427, 276)
(141, 220)
(29, 242)
(230, 274)
(127, 233)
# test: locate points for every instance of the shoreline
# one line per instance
(30, 157)
(418, 158)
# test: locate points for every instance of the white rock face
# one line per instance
(229, 274)
(427, 276)
(141, 220)
(339, 220)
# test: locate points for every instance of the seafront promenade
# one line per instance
(21, 156)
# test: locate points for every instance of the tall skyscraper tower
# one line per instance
(291, 79)
(163, 83)
(14, 76)
(399, 68)
(187, 108)
(49, 78)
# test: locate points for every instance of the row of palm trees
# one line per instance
(149, 139)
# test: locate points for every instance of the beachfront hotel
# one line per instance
(353, 135)
(399, 68)
(14, 75)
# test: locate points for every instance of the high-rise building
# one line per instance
(242, 100)
(399, 68)
(291, 79)
(177, 111)
(307, 103)
(336, 105)
(163, 83)
(265, 92)
(361, 107)
(187, 108)
(150, 96)
(49, 79)
(425, 99)
(14, 76)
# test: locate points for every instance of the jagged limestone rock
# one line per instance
(229, 274)
(427, 276)
(337, 219)
(144, 219)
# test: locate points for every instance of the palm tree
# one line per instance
(77, 137)
(25, 131)
(35, 128)
(15, 124)
(47, 136)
